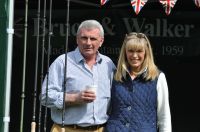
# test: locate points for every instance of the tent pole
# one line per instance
(10, 31)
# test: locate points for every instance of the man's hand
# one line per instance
(81, 97)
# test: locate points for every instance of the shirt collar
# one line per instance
(141, 74)
(78, 56)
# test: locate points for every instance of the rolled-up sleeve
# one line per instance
(52, 93)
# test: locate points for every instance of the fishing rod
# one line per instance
(65, 70)
(48, 58)
(24, 67)
(33, 123)
(42, 60)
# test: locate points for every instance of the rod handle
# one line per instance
(62, 129)
(33, 126)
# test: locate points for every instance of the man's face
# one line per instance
(89, 41)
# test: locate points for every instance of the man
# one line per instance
(84, 109)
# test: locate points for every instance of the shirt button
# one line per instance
(129, 108)
(127, 124)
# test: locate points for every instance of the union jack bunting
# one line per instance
(168, 5)
(137, 5)
(104, 2)
(197, 3)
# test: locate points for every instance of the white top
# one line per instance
(163, 109)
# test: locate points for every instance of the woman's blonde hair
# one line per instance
(136, 41)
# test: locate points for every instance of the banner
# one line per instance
(174, 38)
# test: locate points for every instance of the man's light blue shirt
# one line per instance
(79, 75)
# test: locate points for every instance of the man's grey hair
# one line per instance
(90, 24)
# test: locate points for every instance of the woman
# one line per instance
(139, 97)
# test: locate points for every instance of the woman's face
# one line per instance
(135, 58)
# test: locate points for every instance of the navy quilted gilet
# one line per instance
(134, 106)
